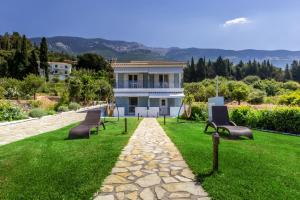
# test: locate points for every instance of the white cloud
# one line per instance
(237, 21)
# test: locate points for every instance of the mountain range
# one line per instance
(125, 51)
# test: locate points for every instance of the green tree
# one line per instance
(44, 57)
(287, 73)
(200, 70)
(32, 84)
(240, 92)
(75, 89)
(33, 67)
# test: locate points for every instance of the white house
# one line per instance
(148, 88)
(60, 70)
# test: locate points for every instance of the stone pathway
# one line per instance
(150, 167)
(18, 131)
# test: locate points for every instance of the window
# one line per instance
(55, 66)
(163, 102)
(66, 72)
(66, 67)
(55, 72)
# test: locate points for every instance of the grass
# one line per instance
(267, 167)
(49, 166)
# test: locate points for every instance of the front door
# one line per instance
(133, 102)
(163, 107)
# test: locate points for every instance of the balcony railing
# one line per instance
(141, 84)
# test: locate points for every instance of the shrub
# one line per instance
(239, 115)
(199, 112)
(283, 119)
(37, 113)
(35, 103)
(291, 85)
(74, 106)
(51, 112)
(251, 79)
(290, 99)
(9, 112)
(62, 109)
(256, 97)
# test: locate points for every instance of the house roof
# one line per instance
(149, 64)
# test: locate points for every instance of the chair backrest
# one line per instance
(92, 117)
(220, 115)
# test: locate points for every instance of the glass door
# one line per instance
(132, 80)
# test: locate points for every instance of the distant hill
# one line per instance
(124, 51)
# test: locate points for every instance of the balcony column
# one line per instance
(117, 80)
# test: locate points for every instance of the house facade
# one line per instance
(148, 88)
(60, 70)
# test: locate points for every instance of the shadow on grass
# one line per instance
(200, 178)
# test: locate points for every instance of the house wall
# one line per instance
(123, 102)
(154, 102)
(143, 102)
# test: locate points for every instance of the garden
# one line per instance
(264, 168)
(49, 166)
(260, 104)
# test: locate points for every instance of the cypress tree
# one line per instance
(295, 71)
(24, 53)
(287, 73)
(192, 71)
(44, 57)
(200, 70)
(33, 63)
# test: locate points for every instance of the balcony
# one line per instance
(141, 84)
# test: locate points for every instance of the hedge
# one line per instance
(282, 119)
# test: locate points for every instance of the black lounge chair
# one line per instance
(83, 130)
(220, 120)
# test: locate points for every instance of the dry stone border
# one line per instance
(150, 167)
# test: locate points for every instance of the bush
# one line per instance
(283, 119)
(9, 112)
(256, 97)
(51, 112)
(290, 99)
(62, 109)
(35, 103)
(251, 79)
(37, 113)
(74, 106)
(199, 112)
(2, 92)
(291, 85)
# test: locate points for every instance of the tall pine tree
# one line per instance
(44, 57)
(287, 73)
(33, 67)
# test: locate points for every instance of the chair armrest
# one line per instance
(232, 123)
(214, 125)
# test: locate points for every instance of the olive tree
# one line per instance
(31, 84)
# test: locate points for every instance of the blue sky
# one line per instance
(229, 24)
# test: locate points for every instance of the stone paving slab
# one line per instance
(150, 167)
(18, 131)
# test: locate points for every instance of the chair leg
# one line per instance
(103, 126)
(97, 129)
(207, 125)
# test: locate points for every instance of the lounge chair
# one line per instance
(220, 120)
(83, 130)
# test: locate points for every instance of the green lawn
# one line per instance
(267, 167)
(49, 166)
